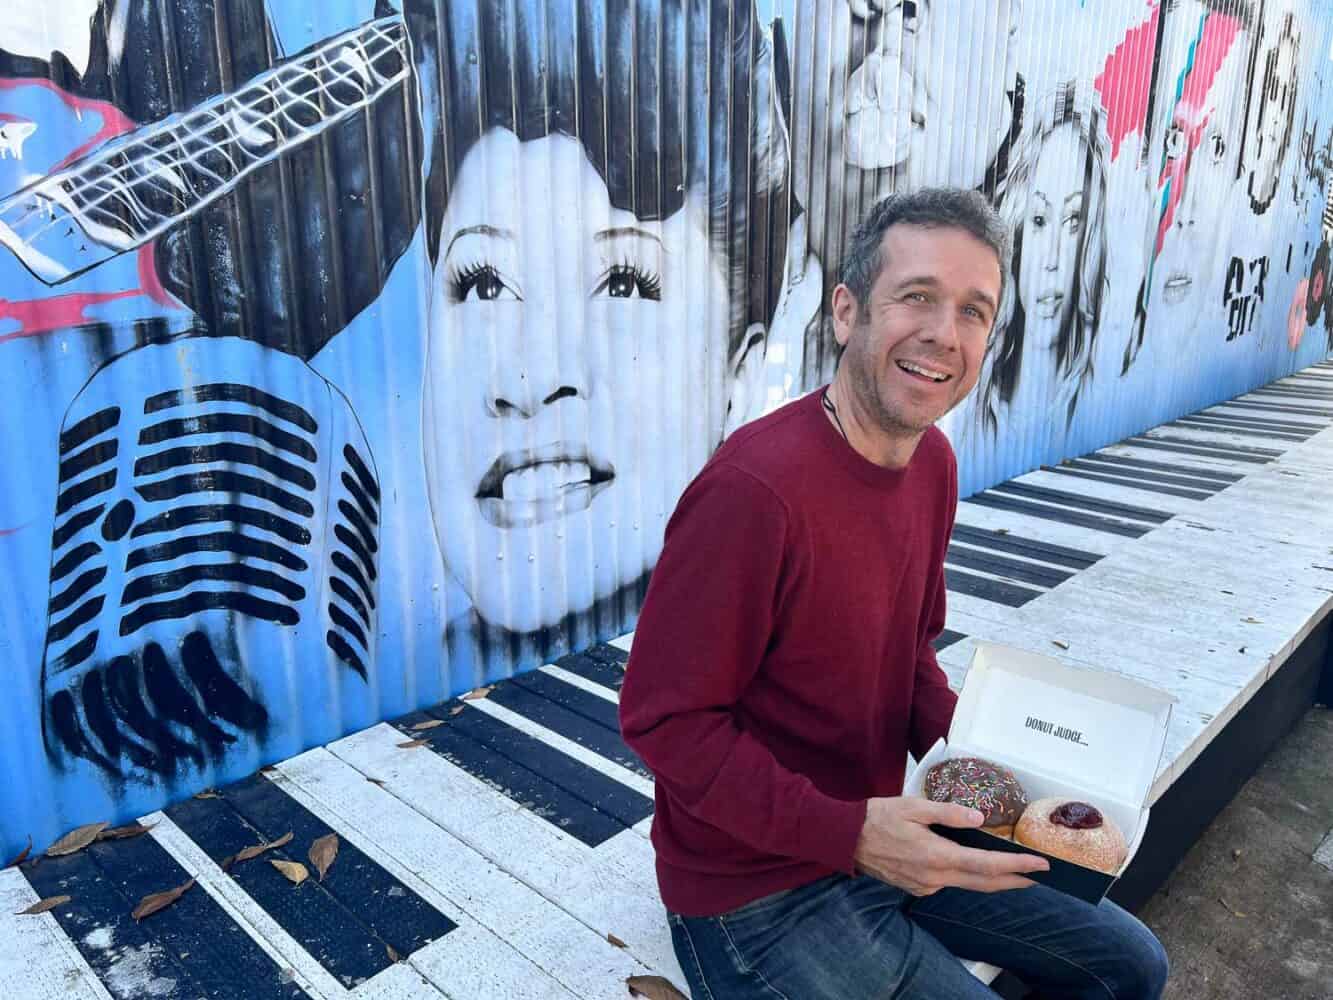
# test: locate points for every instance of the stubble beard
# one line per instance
(865, 387)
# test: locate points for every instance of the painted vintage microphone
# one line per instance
(214, 551)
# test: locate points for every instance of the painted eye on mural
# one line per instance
(627, 281)
(481, 282)
(1174, 144)
(1073, 221)
(1039, 221)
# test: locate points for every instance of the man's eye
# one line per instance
(1039, 220)
(627, 281)
(1072, 223)
(481, 282)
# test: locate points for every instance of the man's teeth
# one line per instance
(544, 480)
(927, 372)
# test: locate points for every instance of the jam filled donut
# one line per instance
(981, 785)
(1074, 831)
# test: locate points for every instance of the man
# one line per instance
(783, 668)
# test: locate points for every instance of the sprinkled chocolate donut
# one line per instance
(982, 785)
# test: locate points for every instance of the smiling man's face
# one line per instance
(914, 349)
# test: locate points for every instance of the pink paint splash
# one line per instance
(1125, 80)
(57, 312)
(114, 121)
(1214, 42)
(61, 311)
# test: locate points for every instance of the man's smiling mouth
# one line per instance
(923, 371)
(529, 485)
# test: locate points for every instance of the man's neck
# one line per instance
(866, 437)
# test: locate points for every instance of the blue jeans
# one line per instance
(846, 938)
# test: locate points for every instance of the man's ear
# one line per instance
(747, 383)
(845, 313)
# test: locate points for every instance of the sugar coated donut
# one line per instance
(982, 785)
(1074, 831)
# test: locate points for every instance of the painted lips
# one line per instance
(530, 485)
(1176, 288)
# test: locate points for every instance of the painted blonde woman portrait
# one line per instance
(1040, 357)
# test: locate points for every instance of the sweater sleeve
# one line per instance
(700, 640)
(932, 700)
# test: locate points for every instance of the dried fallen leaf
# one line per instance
(653, 987)
(255, 850)
(322, 853)
(1230, 909)
(392, 953)
(1060, 643)
(413, 743)
(41, 906)
(616, 941)
(427, 725)
(124, 832)
(76, 840)
(295, 871)
(456, 709)
(480, 692)
(156, 901)
(22, 855)
(207, 793)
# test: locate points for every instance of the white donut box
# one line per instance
(1082, 734)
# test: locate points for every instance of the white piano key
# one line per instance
(247, 914)
(568, 747)
(1112, 493)
(1040, 529)
(582, 683)
(535, 944)
(38, 961)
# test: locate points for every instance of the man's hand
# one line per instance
(897, 846)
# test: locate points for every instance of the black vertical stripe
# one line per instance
(362, 473)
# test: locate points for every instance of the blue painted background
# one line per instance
(329, 402)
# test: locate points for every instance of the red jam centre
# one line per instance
(1077, 816)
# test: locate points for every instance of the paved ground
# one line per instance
(1248, 914)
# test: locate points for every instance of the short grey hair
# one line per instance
(931, 208)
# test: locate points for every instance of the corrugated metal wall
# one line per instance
(355, 355)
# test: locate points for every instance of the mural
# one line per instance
(354, 359)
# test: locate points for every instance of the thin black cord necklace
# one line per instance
(828, 405)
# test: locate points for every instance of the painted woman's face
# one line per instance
(1272, 120)
(576, 379)
(1052, 231)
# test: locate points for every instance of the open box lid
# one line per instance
(1089, 728)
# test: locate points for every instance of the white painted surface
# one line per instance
(543, 944)
(37, 960)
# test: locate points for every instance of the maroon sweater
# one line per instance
(782, 666)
